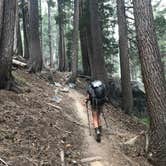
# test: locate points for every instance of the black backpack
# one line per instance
(98, 93)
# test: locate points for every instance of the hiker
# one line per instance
(96, 94)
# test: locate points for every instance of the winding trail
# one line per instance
(106, 153)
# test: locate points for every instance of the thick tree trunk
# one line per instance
(84, 38)
(154, 81)
(62, 52)
(6, 42)
(49, 35)
(97, 56)
(75, 41)
(25, 17)
(84, 50)
(127, 98)
(35, 62)
(1, 16)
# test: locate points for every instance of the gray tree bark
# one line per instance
(127, 97)
(97, 57)
(7, 22)
(49, 34)
(62, 51)
(154, 81)
(75, 41)
(35, 62)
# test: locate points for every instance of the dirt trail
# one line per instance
(106, 153)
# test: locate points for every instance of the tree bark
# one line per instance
(84, 38)
(25, 17)
(97, 57)
(154, 81)
(17, 48)
(49, 34)
(127, 98)
(6, 42)
(35, 62)
(62, 52)
(1, 15)
(75, 41)
(19, 42)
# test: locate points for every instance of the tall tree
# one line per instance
(127, 98)
(35, 62)
(97, 57)
(25, 17)
(40, 24)
(62, 51)
(17, 48)
(154, 81)
(7, 22)
(75, 41)
(49, 3)
(83, 26)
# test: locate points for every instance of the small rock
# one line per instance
(65, 90)
(56, 99)
(57, 84)
(72, 85)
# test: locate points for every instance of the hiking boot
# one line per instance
(100, 129)
(98, 135)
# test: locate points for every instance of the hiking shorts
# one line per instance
(97, 108)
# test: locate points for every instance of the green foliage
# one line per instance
(160, 23)
(51, 3)
(107, 11)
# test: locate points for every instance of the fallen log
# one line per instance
(18, 63)
(55, 106)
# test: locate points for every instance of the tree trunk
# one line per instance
(49, 34)
(25, 17)
(19, 41)
(75, 41)
(154, 81)
(35, 62)
(97, 57)
(6, 42)
(17, 48)
(40, 22)
(84, 50)
(1, 16)
(62, 53)
(127, 98)
(84, 39)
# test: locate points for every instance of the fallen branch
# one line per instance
(3, 162)
(62, 130)
(62, 158)
(18, 63)
(84, 76)
(91, 159)
(55, 106)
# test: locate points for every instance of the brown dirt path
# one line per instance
(108, 152)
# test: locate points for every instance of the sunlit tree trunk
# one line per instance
(75, 41)
(25, 17)
(49, 34)
(17, 48)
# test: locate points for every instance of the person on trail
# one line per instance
(96, 94)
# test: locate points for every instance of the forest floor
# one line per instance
(46, 125)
